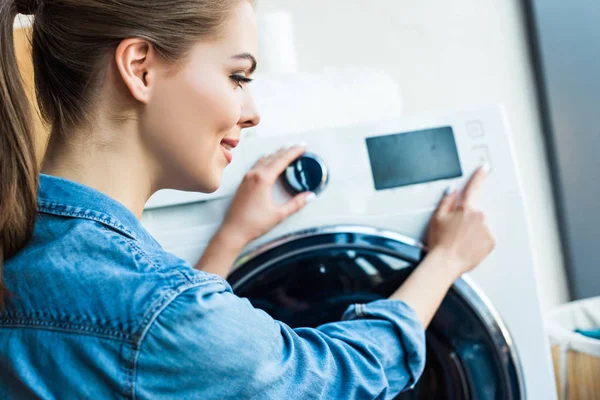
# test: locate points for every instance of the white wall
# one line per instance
(445, 54)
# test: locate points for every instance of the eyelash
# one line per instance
(240, 80)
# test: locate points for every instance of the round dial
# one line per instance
(308, 173)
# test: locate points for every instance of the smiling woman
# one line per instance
(141, 96)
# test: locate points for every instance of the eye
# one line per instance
(240, 80)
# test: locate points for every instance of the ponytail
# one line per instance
(19, 174)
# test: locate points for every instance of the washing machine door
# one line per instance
(309, 278)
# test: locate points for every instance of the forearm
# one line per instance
(427, 286)
(221, 252)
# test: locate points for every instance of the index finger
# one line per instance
(282, 160)
(471, 191)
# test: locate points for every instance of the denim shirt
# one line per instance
(99, 310)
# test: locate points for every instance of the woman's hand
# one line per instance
(459, 231)
(458, 240)
(253, 211)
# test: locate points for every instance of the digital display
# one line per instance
(413, 157)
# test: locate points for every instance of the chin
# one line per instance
(199, 184)
(211, 189)
(212, 185)
(202, 181)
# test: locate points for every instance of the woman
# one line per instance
(143, 96)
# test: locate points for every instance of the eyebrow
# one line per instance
(247, 56)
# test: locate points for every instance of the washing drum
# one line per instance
(309, 278)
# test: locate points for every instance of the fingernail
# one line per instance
(449, 190)
(486, 168)
(310, 198)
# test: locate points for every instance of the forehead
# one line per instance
(238, 35)
(240, 30)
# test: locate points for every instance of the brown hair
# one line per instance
(72, 40)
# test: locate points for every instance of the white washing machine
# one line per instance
(378, 186)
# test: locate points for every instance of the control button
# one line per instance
(306, 174)
(482, 155)
(475, 129)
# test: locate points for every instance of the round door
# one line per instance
(309, 278)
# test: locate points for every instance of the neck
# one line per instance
(117, 167)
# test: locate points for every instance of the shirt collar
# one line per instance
(60, 196)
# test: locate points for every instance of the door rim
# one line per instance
(464, 286)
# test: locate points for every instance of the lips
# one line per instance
(227, 144)
(227, 153)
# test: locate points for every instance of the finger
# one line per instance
(276, 153)
(472, 189)
(267, 159)
(261, 161)
(296, 204)
(282, 160)
(447, 202)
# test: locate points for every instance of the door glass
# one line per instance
(317, 287)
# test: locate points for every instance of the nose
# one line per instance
(250, 116)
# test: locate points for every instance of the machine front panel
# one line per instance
(362, 191)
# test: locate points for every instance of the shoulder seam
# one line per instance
(49, 207)
(138, 250)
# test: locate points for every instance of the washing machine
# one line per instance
(378, 185)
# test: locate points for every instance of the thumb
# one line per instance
(296, 204)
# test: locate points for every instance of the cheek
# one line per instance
(199, 105)
(186, 119)
(214, 101)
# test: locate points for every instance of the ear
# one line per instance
(136, 62)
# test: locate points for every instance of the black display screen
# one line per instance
(413, 157)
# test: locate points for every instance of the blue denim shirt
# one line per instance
(99, 310)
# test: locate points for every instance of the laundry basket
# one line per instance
(576, 357)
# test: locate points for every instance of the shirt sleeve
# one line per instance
(210, 344)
